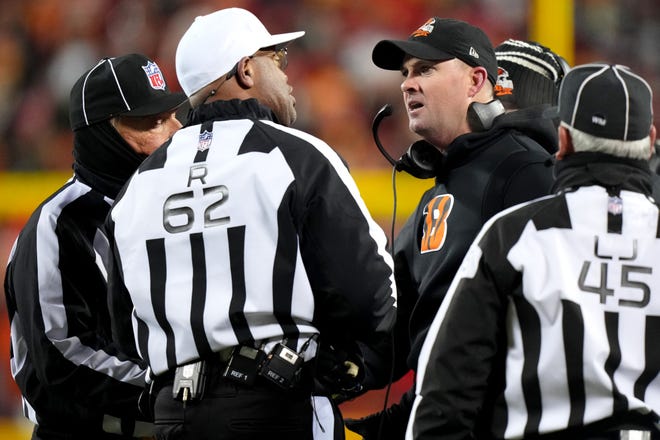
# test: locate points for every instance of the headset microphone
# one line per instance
(384, 112)
(421, 158)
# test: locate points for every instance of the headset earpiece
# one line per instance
(480, 116)
(420, 160)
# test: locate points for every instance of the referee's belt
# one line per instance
(134, 428)
(244, 365)
(215, 361)
(629, 425)
(222, 357)
(623, 434)
(631, 433)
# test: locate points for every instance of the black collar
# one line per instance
(613, 173)
(232, 109)
(103, 159)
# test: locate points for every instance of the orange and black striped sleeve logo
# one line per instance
(436, 213)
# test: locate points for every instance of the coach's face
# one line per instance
(436, 95)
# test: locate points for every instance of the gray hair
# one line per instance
(639, 149)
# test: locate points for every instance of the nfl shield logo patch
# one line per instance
(205, 139)
(615, 205)
(155, 76)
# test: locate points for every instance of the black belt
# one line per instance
(216, 360)
(114, 425)
(241, 365)
(629, 434)
(623, 434)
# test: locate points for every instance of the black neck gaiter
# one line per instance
(614, 173)
(103, 159)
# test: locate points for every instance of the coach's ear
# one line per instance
(565, 143)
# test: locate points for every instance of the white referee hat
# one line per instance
(214, 43)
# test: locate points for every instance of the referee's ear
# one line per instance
(565, 143)
(245, 73)
(652, 134)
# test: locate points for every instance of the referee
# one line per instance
(74, 382)
(550, 327)
(241, 247)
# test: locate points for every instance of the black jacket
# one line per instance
(481, 174)
(538, 122)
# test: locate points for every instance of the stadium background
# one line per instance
(46, 44)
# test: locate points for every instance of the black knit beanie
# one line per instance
(528, 74)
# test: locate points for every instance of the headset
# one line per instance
(422, 159)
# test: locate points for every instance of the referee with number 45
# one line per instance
(550, 329)
(247, 270)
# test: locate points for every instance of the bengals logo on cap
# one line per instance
(425, 29)
(436, 213)
(504, 85)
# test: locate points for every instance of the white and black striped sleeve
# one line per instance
(343, 248)
(56, 294)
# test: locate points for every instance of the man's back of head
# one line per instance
(528, 74)
(218, 56)
(606, 109)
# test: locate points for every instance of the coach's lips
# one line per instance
(413, 105)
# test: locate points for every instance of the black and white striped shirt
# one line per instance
(69, 371)
(243, 231)
(551, 322)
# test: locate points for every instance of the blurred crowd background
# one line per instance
(45, 45)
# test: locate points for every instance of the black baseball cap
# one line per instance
(131, 85)
(606, 101)
(440, 39)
